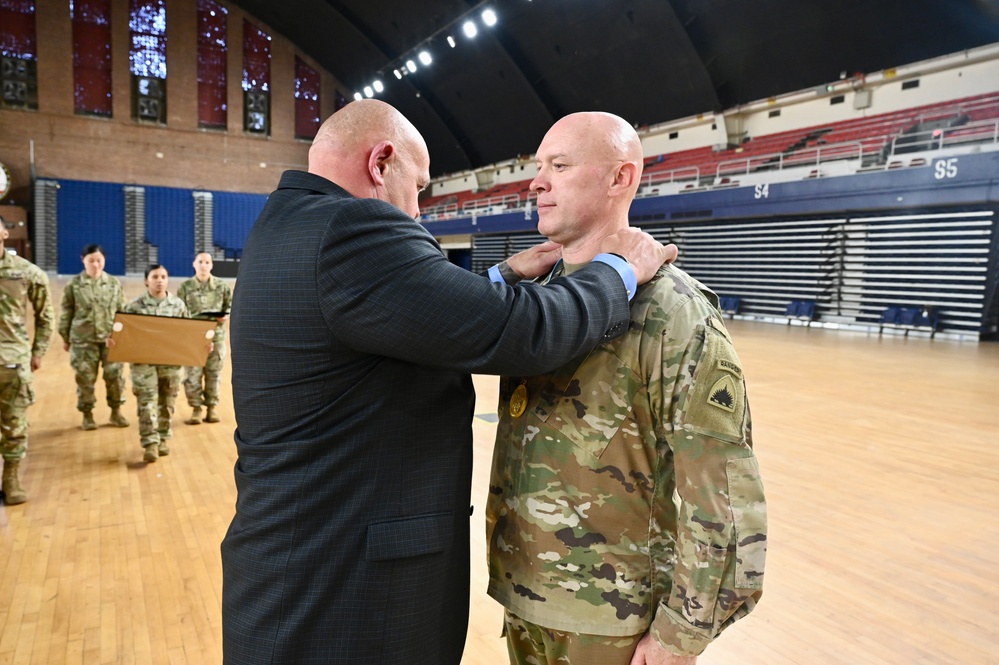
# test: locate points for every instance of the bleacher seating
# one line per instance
(910, 318)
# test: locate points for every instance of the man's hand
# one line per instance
(36, 363)
(650, 652)
(65, 346)
(536, 261)
(643, 252)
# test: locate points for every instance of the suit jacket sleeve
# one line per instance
(386, 288)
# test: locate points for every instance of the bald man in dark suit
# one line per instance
(352, 343)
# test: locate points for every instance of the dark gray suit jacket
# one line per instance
(352, 342)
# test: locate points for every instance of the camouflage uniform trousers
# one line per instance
(155, 388)
(206, 392)
(86, 359)
(16, 395)
(531, 644)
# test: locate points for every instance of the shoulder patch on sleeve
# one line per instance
(716, 405)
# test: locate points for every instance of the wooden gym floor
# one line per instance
(880, 458)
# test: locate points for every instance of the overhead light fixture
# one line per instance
(400, 69)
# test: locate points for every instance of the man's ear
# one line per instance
(378, 160)
(625, 176)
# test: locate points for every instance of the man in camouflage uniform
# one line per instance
(626, 518)
(89, 303)
(205, 293)
(156, 386)
(21, 283)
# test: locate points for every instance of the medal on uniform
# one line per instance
(518, 401)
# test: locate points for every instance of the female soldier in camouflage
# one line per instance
(156, 386)
(89, 304)
(206, 296)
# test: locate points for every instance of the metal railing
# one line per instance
(946, 137)
(506, 201)
(683, 174)
(811, 156)
(440, 210)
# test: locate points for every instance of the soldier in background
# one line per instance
(206, 297)
(626, 519)
(156, 386)
(89, 303)
(21, 283)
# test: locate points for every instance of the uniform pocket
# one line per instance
(594, 403)
(25, 396)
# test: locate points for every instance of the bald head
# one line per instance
(364, 146)
(600, 137)
(589, 168)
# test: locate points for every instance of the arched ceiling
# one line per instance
(493, 97)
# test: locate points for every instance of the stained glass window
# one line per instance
(212, 62)
(91, 56)
(307, 118)
(147, 23)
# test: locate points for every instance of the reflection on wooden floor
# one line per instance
(881, 463)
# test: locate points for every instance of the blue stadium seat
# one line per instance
(729, 304)
(910, 318)
(800, 309)
(891, 315)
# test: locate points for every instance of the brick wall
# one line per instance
(123, 150)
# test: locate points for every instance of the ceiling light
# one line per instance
(425, 58)
(450, 41)
(489, 17)
(368, 92)
(358, 96)
(411, 66)
(378, 86)
(397, 73)
(469, 29)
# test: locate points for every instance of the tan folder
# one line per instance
(160, 340)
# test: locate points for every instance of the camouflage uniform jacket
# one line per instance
(88, 308)
(627, 494)
(22, 282)
(212, 296)
(169, 306)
